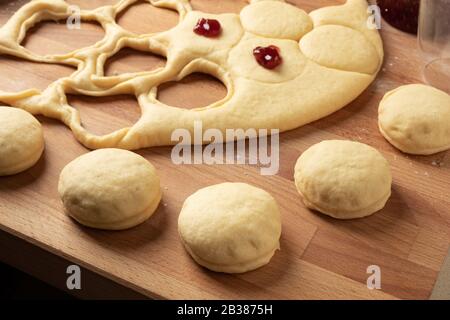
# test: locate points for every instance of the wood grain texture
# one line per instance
(320, 257)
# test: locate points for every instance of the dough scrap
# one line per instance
(343, 179)
(303, 89)
(110, 189)
(416, 119)
(230, 227)
(21, 141)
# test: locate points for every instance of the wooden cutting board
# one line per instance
(319, 258)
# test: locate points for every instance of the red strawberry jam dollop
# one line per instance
(208, 28)
(268, 57)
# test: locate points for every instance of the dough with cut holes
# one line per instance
(343, 179)
(328, 57)
(230, 227)
(21, 141)
(110, 189)
(416, 119)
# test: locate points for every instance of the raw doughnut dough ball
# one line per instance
(110, 189)
(21, 141)
(416, 119)
(343, 179)
(230, 227)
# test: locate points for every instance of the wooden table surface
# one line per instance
(319, 258)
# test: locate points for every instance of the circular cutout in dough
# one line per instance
(110, 189)
(343, 179)
(230, 227)
(21, 141)
(416, 119)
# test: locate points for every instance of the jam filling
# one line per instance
(208, 28)
(268, 57)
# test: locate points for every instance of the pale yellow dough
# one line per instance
(343, 179)
(416, 119)
(330, 56)
(21, 141)
(110, 189)
(230, 227)
(276, 19)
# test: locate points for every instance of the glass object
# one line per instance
(434, 41)
(401, 14)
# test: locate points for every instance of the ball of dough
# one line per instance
(275, 19)
(343, 179)
(230, 227)
(416, 119)
(110, 189)
(21, 141)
